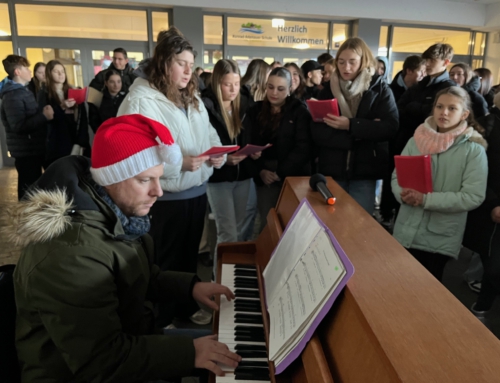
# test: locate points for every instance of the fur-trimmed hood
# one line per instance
(39, 217)
(46, 211)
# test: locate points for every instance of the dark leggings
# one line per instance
(176, 228)
(490, 285)
(433, 262)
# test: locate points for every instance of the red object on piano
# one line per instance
(414, 172)
(320, 108)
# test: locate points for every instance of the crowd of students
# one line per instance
(426, 109)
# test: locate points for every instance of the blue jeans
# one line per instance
(251, 212)
(228, 201)
(192, 333)
(363, 192)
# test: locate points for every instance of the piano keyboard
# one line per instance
(241, 327)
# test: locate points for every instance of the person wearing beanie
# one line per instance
(167, 92)
(85, 283)
(313, 73)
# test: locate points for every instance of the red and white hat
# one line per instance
(128, 145)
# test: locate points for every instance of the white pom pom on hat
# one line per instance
(128, 145)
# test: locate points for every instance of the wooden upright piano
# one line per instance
(393, 322)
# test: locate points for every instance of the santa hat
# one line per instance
(128, 145)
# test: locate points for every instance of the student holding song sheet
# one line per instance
(353, 147)
(283, 121)
(431, 226)
(70, 124)
(229, 186)
(167, 92)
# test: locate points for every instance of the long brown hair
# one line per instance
(268, 120)
(463, 96)
(233, 121)
(36, 81)
(299, 92)
(49, 82)
(467, 71)
(256, 77)
(171, 43)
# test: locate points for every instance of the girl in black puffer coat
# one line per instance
(112, 97)
(354, 148)
(228, 188)
(283, 121)
(463, 75)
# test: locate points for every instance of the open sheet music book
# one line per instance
(307, 271)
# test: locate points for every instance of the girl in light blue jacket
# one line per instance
(431, 226)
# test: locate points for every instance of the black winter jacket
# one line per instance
(479, 104)
(415, 105)
(290, 155)
(311, 92)
(480, 226)
(108, 109)
(362, 152)
(397, 89)
(65, 130)
(227, 173)
(126, 74)
(25, 125)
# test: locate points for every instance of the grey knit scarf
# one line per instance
(350, 93)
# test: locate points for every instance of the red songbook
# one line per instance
(251, 149)
(79, 95)
(217, 151)
(414, 172)
(320, 108)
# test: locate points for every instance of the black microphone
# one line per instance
(317, 182)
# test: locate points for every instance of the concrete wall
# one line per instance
(191, 19)
(492, 59)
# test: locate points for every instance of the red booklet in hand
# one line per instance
(217, 151)
(79, 95)
(414, 172)
(320, 108)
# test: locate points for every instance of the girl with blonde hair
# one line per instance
(353, 147)
(229, 186)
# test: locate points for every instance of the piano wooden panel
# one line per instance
(394, 322)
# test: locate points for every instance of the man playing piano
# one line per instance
(85, 281)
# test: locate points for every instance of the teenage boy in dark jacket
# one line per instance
(86, 281)
(413, 72)
(415, 105)
(120, 64)
(24, 124)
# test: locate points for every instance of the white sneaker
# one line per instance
(201, 317)
(171, 326)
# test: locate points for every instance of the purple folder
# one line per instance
(349, 272)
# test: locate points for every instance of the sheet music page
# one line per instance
(301, 232)
(305, 289)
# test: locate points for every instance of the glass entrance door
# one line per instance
(69, 58)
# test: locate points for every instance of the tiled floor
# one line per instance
(452, 279)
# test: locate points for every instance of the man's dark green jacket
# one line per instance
(84, 290)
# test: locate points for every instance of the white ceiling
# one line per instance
(486, 2)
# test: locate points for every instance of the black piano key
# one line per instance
(249, 321)
(250, 347)
(251, 354)
(243, 266)
(249, 338)
(245, 376)
(246, 309)
(243, 327)
(245, 285)
(255, 330)
(248, 316)
(245, 279)
(246, 293)
(247, 273)
(253, 304)
(246, 300)
(250, 363)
